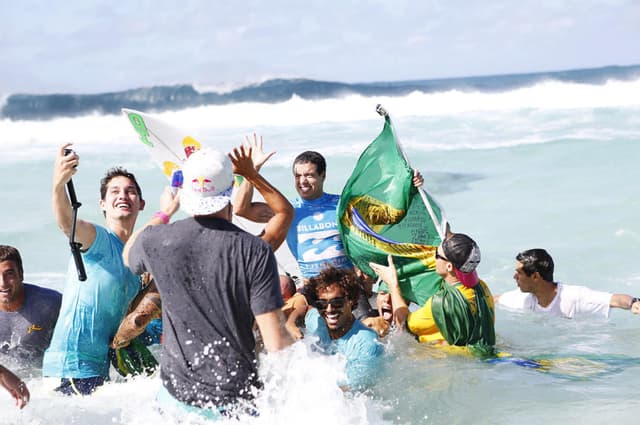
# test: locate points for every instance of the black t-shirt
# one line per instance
(213, 279)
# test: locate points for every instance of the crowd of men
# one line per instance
(217, 287)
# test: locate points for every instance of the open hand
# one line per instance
(388, 274)
(15, 386)
(241, 160)
(258, 156)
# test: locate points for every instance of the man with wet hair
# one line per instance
(28, 313)
(92, 310)
(332, 322)
(461, 312)
(313, 237)
(215, 281)
(538, 292)
(276, 212)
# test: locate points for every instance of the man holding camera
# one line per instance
(93, 309)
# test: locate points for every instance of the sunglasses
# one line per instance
(438, 256)
(338, 302)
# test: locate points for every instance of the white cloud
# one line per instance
(80, 46)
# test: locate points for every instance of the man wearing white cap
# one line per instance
(214, 280)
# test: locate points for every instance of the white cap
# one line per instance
(473, 259)
(208, 182)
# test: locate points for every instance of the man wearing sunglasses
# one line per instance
(460, 313)
(332, 322)
(538, 292)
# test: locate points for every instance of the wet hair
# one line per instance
(536, 260)
(9, 253)
(458, 248)
(117, 172)
(344, 278)
(313, 158)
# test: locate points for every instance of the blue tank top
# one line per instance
(91, 311)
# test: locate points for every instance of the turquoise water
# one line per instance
(513, 176)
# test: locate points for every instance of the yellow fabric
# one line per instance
(421, 323)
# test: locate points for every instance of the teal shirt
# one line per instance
(359, 345)
(91, 311)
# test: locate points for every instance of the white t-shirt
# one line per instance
(569, 302)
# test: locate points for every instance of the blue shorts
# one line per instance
(172, 405)
(80, 386)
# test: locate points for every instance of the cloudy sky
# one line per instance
(84, 46)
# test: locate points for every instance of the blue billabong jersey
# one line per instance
(313, 237)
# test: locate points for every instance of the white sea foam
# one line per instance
(298, 383)
(529, 105)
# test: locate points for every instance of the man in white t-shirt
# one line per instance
(540, 293)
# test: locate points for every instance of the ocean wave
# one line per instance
(501, 91)
(424, 122)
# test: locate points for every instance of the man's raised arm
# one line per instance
(277, 227)
(66, 166)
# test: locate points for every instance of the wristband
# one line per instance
(633, 301)
(162, 216)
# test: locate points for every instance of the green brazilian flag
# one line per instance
(382, 213)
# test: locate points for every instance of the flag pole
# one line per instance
(441, 227)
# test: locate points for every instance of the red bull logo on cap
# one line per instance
(202, 185)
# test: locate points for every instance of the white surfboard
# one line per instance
(169, 146)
